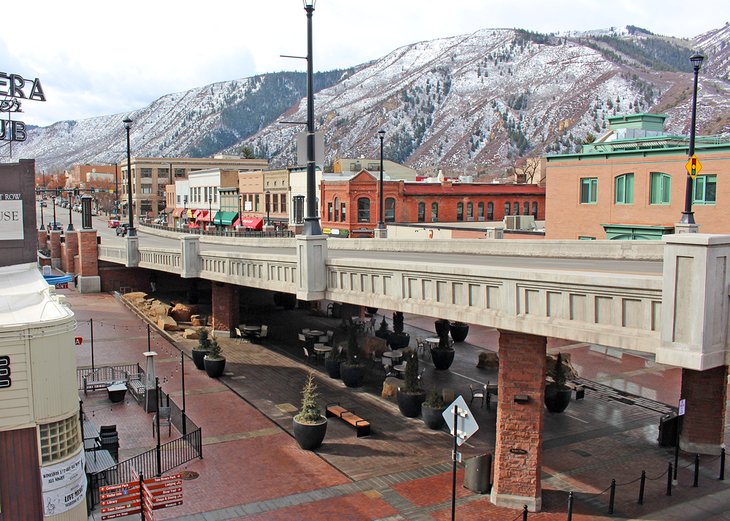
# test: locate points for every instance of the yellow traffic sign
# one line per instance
(693, 166)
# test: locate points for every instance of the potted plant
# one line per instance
(443, 354)
(410, 396)
(442, 325)
(433, 409)
(214, 362)
(459, 330)
(310, 426)
(383, 331)
(398, 339)
(333, 361)
(201, 349)
(352, 370)
(557, 393)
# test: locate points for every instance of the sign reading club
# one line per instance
(14, 88)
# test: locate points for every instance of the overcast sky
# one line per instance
(96, 58)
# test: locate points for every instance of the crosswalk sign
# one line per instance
(693, 166)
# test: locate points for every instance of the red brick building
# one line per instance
(350, 207)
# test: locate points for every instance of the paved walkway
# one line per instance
(253, 469)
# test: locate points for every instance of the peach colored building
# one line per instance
(631, 184)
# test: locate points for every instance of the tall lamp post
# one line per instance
(687, 215)
(381, 221)
(116, 188)
(54, 215)
(131, 232)
(311, 221)
(43, 202)
(70, 215)
(268, 207)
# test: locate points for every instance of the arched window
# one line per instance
(516, 208)
(490, 211)
(506, 208)
(660, 189)
(469, 211)
(526, 208)
(329, 212)
(421, 212)
(363, 210)
(434, 212)
(480, 211)
(337, 209)
(624, 189)
(534, 209)
(459, 211)
(390, 210)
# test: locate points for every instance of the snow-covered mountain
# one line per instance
(468, 102)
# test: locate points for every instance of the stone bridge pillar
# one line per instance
(703, 425)
(225, 308)
(88, 276)
(69, 250)
(518, 458)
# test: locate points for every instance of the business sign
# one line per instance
(63, 485)
(13, 88)
(5, 380)
(11, 217)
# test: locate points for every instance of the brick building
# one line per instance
(351, 208)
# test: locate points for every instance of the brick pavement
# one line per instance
(253, 469)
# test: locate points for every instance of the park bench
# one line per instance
(362, 427)
(580, 391)
(136, 386)
(103, 377)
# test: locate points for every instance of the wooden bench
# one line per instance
(361, 426)
(580, 391)
(103, 377)
(136, 387)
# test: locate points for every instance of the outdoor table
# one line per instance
(432, 341)
(321, 351)
(314, 333)
(99, 460)
(117, 391)
(400, 369)
(250, 330)
(395, 354)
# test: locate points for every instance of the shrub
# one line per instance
(214, 350)
(411, 384)
(310, 411)
(203, 339)
(398, 322)
(435, 399)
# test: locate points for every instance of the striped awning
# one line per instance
(177, 212)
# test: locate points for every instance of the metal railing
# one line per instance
(223, 233)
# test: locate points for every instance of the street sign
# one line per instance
(682, 407)
(466, 425)
(693, 166)
(78, 340)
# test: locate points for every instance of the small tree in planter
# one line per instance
(352, 370)
(214, 362)
(201, 349)
(433, 408)
(333, 361)
(398, 339)
(410, 396)
(443, 354)
(383, 331)
(310, 426)
(557, 393)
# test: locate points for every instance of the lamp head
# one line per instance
(309, 4)
(127, 122)
(381, 133)
(696, 59)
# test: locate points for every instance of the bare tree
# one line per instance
(526, 168)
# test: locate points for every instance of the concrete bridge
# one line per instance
(668, 298)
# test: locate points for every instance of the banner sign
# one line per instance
(11, 217)
(63, 485)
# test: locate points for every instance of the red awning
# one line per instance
(177, 212)
(197, 213)
(203, 217)
(193, 225)
(253, 223)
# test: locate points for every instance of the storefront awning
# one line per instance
(191, 215)
(203, 216)
(177, 212)
(225, 218)
(253, 223)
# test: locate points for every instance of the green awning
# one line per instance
(225, 218)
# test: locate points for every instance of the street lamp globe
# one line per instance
(696, 60)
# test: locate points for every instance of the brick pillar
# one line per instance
(55, 248)
(225, 308)
(69, 249)
(42, 239)
(88, 271)
(703, 425)
(518, 459)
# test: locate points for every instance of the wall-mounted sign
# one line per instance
(15, 88)
(5, 380)
(11, 217)
(63, 485)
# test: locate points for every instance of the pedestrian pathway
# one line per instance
(252, 469)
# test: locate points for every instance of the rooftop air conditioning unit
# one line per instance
(510, 221)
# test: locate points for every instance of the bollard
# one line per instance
(642, 483)
(722, 464)
(524, 513)
(570, 506)
(669, 480)
(696, 481)
(612, 496)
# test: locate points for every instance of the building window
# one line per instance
(660, 189)
(534, 209)
(434, 212)
(490, 211)
(526, 208)
(516, 208)
(283, 203)
(329, 212)
(459, 211)
(421, 212)
(363, 210)
(257, 203)
(507, 207)
(624, 189)
(480, 211)
(298, 202)
(343, 213)
(390, 210)
(337, 209)
(146, 189)
(703, 189)
(469, 211)
(59, 439)
(589, 190)
(275, 201)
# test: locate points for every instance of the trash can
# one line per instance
(478, 473)
(668, 425)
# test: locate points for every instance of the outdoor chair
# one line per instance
(239, 335)
(330, 337)
(370, 326)
(302, 338)
(264, 331)
(307, 355)
(479, 393)
(165, 420)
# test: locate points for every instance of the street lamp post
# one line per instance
(381, 221)
(54, 214)
(128, 126)
(70, 215)
(210, 212)
(311, 221)
(43, 201)
(687, 215)
(268, 204)
(116, 188)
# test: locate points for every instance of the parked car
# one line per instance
(113, 222)
(55, 225)
(122, 229)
